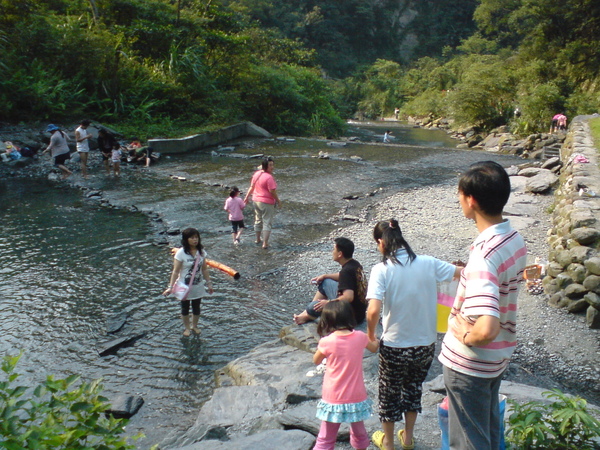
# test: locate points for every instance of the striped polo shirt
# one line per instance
(489, 286)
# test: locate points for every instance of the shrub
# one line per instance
(564, 424)
(56, 414)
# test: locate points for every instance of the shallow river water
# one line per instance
(68, 265)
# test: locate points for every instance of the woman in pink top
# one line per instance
(234, 206)
(344, 397)
(263, 189)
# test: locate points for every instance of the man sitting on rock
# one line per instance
(349, 285)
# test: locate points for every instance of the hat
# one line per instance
(51, 128)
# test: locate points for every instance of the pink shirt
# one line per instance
(263, 183)
(343, 381)
(234, 206)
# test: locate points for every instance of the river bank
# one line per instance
(433, 224)
(431, 219)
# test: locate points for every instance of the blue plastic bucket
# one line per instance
(443, 421)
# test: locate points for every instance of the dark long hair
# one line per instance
(336, 315)
(391, 236)
(185, 235)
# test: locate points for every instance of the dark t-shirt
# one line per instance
(353, 277)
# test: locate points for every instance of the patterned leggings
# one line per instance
(402, 372)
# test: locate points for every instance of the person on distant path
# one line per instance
(349, 285)
(183, 266)
(554, 124)
(234, 205)
(404, 286)
(482, 325)
(106, 143)
(82, 138)
(562, 122)
(60, 149)
(386, 137)
(263, 189)
(344, 396)
(396, 113)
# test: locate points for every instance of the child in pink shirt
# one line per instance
(234, 206)
(344, 397)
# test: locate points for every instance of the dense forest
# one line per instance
(297, 66)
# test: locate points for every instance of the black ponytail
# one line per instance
(392, 241)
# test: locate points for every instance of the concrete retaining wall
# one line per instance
(198, 141)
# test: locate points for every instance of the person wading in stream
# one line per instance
(183, 268)
(263, 189)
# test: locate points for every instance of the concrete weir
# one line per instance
(198, 141)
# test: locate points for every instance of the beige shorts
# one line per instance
(263, 216)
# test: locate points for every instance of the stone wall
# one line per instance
(190, 143)
(573, 273)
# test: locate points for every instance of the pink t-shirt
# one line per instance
(263, 183)
(234, 206)
(343, 381)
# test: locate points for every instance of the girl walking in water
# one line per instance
(190, 260)
(234, 205)
(344, 396)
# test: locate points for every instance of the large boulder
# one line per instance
(542, 182)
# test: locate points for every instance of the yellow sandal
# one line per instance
(404, 445)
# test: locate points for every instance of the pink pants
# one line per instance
(328, 435)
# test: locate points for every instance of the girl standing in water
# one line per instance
(183, 267)
(344, 396)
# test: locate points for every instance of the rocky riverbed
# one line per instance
(268, 391)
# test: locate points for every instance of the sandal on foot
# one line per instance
(187, 332)
(405, 446)
(377, 439)
(196, 330)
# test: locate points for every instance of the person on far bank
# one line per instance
(344, 396)
(404, 288)
(183, 267)
(482, 324)
(349, 285)
(82, 138)
(234, 205)
(60, 149)
(106, 143)
(115, 157)
(263, 189)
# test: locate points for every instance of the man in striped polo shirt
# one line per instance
(481, 333)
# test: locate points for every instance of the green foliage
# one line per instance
(595, 130)
(56, 414)
(564, 424)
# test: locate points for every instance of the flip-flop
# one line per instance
(377, 439)
(404, 445)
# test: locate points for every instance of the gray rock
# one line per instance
(580, 253)
(529, 172)
(593, 265)
(554, 269)
(117, 322)
(593, 299)
(582, 218)
(575, 291)
(558, 300)
(542, 182)
(592, 283)
(125, 406)
(592, 318)
(551, 163)
(577, 306)
(585, 236)
(518, 184)
(564, 258)
(563, 280)
(271, 439)
(576, 272)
